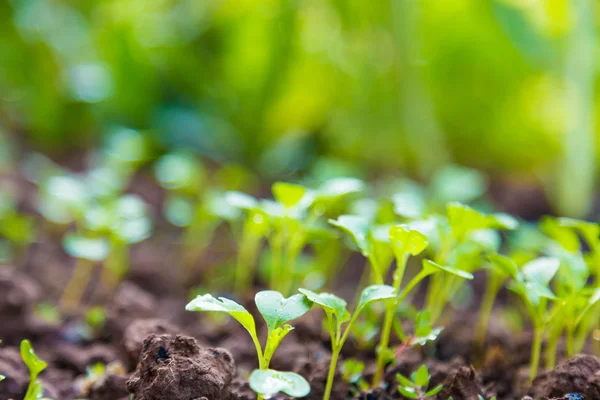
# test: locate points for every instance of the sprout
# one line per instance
(276, 310)
(337, 315)
(532, 285)
(417, 386)
(35, 366)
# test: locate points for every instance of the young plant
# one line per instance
(463, 236)
(337, 314)
(532, 283)
(352, 372)
(35, 366)
(276, 310)
(500, 268)
(417, 386)
(406, 242)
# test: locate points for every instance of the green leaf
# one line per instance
(270, 382)
(208, 303)
(406, 240)
(409, 202)
(338, 187)
(329, 302)
(541, 270)
(88, 248)
(277, 310)
(409, 392)
(455, 183)
(31, 360)
(431, 267)
(179, 210)
(562, 234)
(504, 265)
(404, 381)
(2, 377)
(464, 219)
(373, 293)
(274, 339)
(180, 171)
(434, 391)
(358, 228)
(422, 376)
(352, 370)
(288, 194)
(590, 231)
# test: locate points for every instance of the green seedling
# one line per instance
(532, 283)
(406, 242)
(105, 233)
(352, 373)
(276, 310)
(463, 236)
(500, 268)
(255, 228)
(16, 230)
(416, 387)
(35, 366)
(423, 333)
(337, 315)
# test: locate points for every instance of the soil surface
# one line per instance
(154, 349)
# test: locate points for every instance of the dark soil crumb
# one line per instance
(176, 368)
(576, 375)
(109, 387)
(77, 357)
(130, 302)
(16, 374)
(18, 296)
(462, 384)
(138, 331)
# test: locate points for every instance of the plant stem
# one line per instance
(331, 375)
(550, 352)
(570, 343)
(536, 349)
(73, 293)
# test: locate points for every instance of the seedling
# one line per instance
(337, 315)
(106, 231)
(352, 372)
(532, 285)
(276, 310)
(463, 236)
(35, 366)
(417, 386)
(500, 268)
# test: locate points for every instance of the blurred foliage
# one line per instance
(281, 84)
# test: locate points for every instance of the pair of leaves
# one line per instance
(532, 282)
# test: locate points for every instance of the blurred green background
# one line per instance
(506, 86)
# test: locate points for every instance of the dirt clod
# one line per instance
(188, 372)
(139, 330)
(575, 375)
(462, 384)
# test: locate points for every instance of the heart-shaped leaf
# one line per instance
(270, 382)
(208, 303)
(406, 240)
(277, 310)
(330, 302)
(374, 293)
(33, 362)
(288, 194)
(87, 248)
(431, 267)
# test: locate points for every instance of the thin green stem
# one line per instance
(569, 339)
(550, 352)
(536, 349)
(331, 375)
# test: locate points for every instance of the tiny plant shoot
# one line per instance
(276, 310)
(35, 366)
(417, 386)
(532, 283)
(337, 314)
